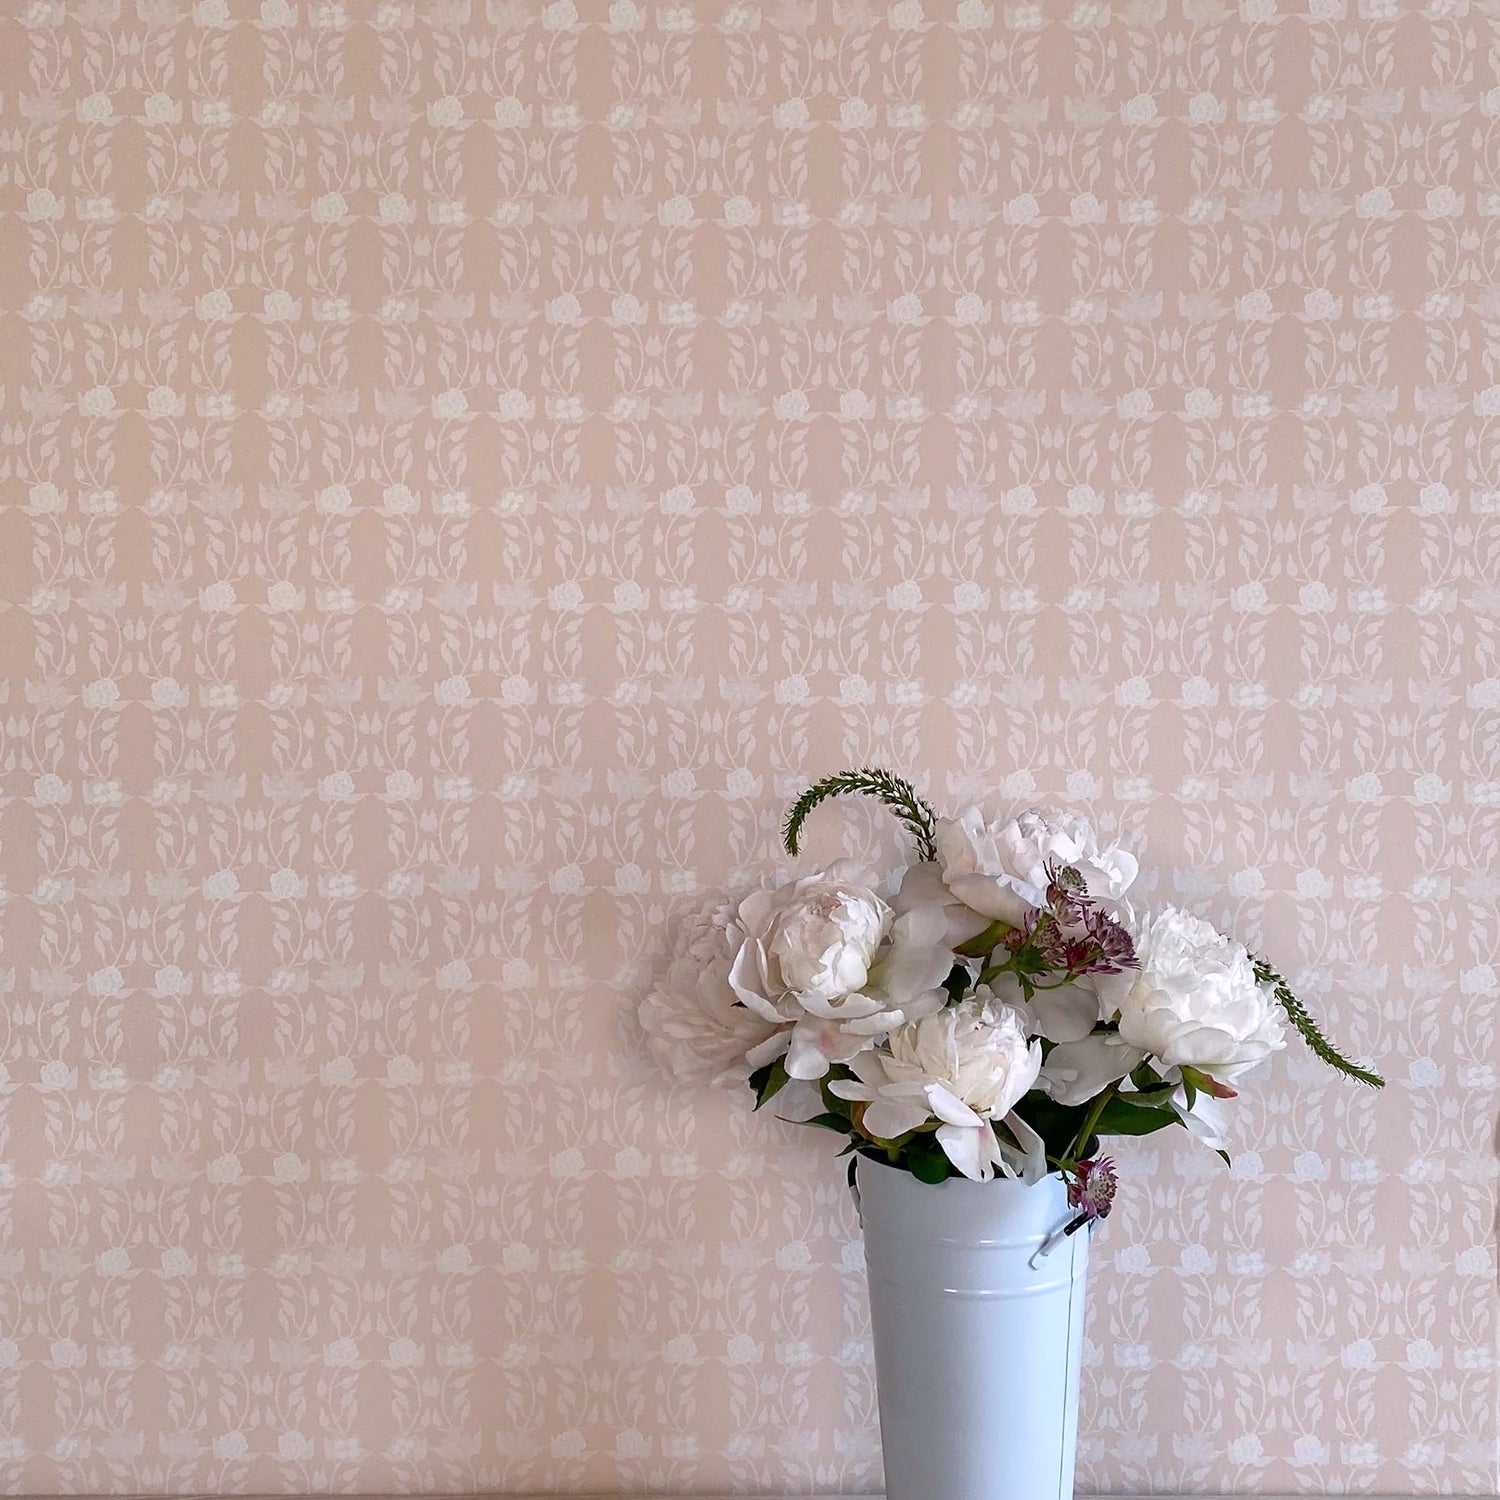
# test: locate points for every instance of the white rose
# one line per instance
(695, 1026)
(827, 959)
(1194, 1000)
(966, 1066)
(1000, 869)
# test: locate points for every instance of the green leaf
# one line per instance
(768, 1081)
(1119, 1118)
(843, 1108)
(1146, 1078)
(927, 1164)
(1057, 1124)
(1308, 1029)
(1147, 1098)
(895, 792)
(830, 1121)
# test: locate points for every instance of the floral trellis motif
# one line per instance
(467, 462)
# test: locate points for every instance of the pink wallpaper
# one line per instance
(466, 462)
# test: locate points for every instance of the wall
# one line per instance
(466, 464)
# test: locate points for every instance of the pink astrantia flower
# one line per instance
(1092, 1192)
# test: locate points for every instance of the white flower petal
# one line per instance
(997, 900)
(975, 1152)
(852, 1089)
(769, 1050)
(950, 1109)
(815, 1045)
(798, 1102)
(1110, 873)
(1067, 1014)
(917, 960)
(921, 927)
(918, 1008)
(747, 980)
(922, 885)
(848, 1007)
(1206, 1120)
(1001, 869)
(888, 1118)
(1076, 1072)
(1028, 1158)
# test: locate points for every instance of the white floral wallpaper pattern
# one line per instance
(466, 462)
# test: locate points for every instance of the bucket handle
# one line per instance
(1058, 1235)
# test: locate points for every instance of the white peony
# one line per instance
(1076, 1072)
(1194, 1000)
(1058, 1012)
(923, 885)
(966, 1066)
(999, 869)
(695, 1027)
(828, 961)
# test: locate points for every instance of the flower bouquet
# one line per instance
(976, 1028)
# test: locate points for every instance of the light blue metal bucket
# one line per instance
(978, 1334)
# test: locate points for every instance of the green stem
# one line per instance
(1092, 1119)
(982, 944)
